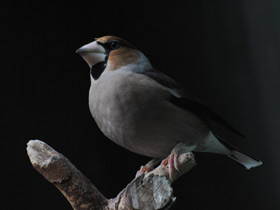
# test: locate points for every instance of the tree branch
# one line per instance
(151, 190)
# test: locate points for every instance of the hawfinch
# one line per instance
(147, 112)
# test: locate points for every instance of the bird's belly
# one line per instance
(144, 123)
(159, 129)
(152, 131)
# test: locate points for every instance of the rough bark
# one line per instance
(151, 190)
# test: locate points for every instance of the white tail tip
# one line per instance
(245, 160)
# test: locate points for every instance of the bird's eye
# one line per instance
(114, 45)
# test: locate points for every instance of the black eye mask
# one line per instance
(109, 46)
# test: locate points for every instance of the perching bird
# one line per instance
(147, 112)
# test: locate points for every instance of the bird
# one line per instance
(147, 112)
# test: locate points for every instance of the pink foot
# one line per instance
(172, 159)
(148, 167)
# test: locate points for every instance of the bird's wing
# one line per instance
(186, 100)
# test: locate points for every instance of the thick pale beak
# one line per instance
(92, 53)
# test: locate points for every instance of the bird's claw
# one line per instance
(172, 159)
(148, 167)
(143, 170)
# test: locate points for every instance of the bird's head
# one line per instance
(112, 53)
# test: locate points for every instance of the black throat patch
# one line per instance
(97, 69)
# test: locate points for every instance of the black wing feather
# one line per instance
(188, 101)
(203, 112)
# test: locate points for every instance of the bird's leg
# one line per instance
(172, 159)
(148, 167)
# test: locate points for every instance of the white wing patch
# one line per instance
(174, 92)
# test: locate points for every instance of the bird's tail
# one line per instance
(243, 159)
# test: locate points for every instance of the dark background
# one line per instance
(225, 52)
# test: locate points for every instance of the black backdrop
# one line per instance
(225, 52)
